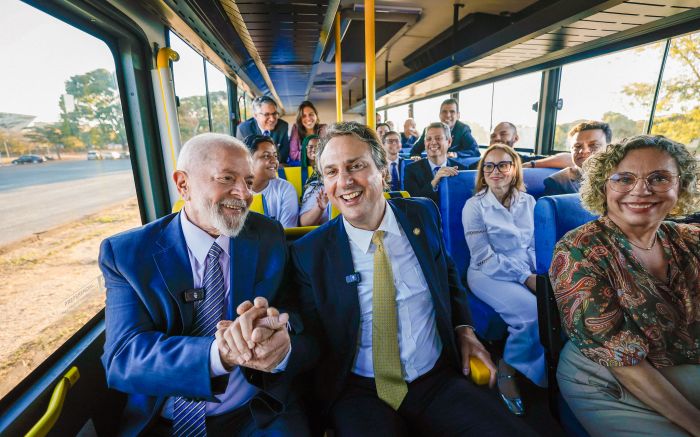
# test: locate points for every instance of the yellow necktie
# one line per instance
(391, 387)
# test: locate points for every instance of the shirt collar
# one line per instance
(489, 199)
(389, 162)
(262, 131)
(433, 165)
(363, 238)
(198, 241)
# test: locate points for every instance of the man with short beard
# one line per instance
(173, 287)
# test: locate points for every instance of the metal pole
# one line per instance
(338, 72)
(369, 63)
(658, 87)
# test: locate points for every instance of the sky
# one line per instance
(39, 53)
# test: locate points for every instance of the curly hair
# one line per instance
(599, 167)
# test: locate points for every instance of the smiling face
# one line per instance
(586, 143)
(382, 130)
(353, 182)
(265, 162)
(267, 116)
(436, 145)
(311, 150)
(308, 118)
(503, 133)
(449, 114)
(392, 146)
(498, 180)
(216, 190)
(642, 207)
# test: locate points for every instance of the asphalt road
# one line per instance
(37, 197)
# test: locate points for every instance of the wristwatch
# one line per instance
(532, 164)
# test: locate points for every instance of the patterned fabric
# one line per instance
(189, 416)
(391, 387)
(615, 311)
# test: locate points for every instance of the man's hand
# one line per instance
(444, 172)
(258, 338)
(469, 345)
(451, 154)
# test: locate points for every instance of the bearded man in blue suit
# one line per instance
(173, 286)
(384, 302)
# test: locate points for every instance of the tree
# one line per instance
(193, 116)
(678, 105)
(48, 134)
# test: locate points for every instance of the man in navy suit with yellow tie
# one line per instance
(171, 283)
(384, 302)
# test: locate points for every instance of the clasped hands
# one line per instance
(257, 339)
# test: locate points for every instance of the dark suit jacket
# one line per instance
(329, 304)
(418, 176)
(280, 134)
(148, 353)
(463, 143)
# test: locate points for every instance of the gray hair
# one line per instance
(439, 125)
(260, 100)
(198, 148)
(360, 131)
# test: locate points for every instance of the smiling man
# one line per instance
(422, 178)
(266, 121)
(384, 301)
(170, 284)
(462, 143)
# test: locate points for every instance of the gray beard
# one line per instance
(229, 226)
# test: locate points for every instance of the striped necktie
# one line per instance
(189, 416)
(386, 358)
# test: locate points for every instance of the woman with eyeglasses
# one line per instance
(499, 226)
(281, 201)
(628, 290)
(307, 123)
(314, 201)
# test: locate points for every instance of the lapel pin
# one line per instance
(416, 231)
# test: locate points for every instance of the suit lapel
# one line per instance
(174, 266)
(343, 295)
(244, 259)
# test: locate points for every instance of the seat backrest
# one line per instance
(333, 212)
(454, 193)
(294, 176)
(258, 205)
(534, 180)
(554, 217)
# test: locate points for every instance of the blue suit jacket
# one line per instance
(148, 353)
(280, 134)
(417, 177)
(463, 143)
(329, 305)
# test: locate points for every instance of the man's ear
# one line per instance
(182, 183)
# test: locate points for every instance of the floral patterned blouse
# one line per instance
(616, 312)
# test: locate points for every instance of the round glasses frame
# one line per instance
(663, 188)
(503, 167)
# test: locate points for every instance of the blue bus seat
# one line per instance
(554, 217)
(534, 180)
(454, 193)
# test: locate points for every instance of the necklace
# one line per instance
(642, 247)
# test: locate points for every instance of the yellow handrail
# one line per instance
(53, 411)
(338, 72)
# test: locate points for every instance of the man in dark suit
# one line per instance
(266, 121)
(422, 178)
(384, 301)
(392, 145)
(462, 143)
(169, 285)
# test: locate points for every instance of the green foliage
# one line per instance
(193, 116)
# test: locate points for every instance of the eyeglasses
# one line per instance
(437, 139)
(269, 114)
(503, 166)
(656, 182)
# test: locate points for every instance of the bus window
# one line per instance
(218, 99)
(677, 113)
(475, 111)
(66, 183)
(398, 115)
(512, 101)
(427, 111)
(611, 82)
(188, 76)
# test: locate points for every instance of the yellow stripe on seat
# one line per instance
(293, 176)
(257, 205)
(387, 195)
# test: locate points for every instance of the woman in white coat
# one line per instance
(499, 226)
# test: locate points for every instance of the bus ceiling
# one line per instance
(286, 49)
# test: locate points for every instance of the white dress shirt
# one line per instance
(501, 241)
(419, 343)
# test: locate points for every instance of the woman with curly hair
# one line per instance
(628, 290)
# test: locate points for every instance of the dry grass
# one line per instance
(51, 286)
